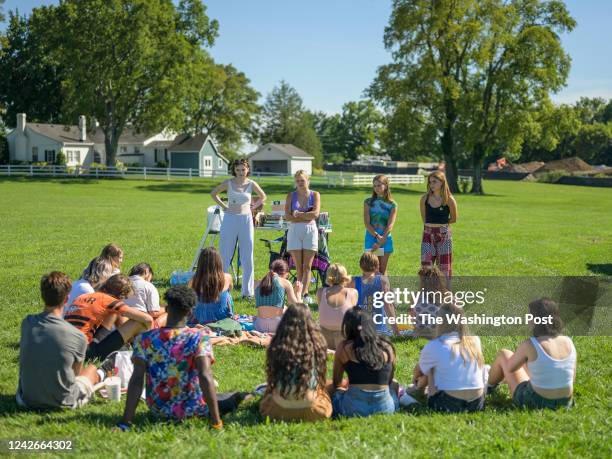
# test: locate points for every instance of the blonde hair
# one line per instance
(445, 191)
(337, 275)
(112, 252)
(301, 173)
(467, 346)
(382, 178)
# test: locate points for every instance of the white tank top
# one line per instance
(239, 201)
(549, 373)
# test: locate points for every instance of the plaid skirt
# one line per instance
(437, 248)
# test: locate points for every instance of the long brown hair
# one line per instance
(434, 281)
(467, 346)
(382, 178)
(445, 191)
(279, 267)
(112, 252)
(209, 279)
(545, 307)
(297, 352)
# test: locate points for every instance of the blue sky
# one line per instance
(329, 50)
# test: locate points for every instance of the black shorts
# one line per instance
(443, 402)
(103, 344)
(525, 397)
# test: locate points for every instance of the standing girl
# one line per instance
(238, 222)
(379, 213)
(438, 211)
(302, 208)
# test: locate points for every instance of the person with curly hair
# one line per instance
(369, 362)
(177, 363)
(296, 367)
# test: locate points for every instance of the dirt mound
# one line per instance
(569, 165)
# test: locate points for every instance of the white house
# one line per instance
(281, 158)
(35, 142)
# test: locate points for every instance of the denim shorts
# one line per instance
(525, 397)
(443, 402)
(371, 240)
(359, 402)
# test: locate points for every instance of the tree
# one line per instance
(328, 129)
(593, 143)
(221, 103)
(135, 67)
(361, 124)
(31, 81)
(285, 120)
(517, 62)
(472, 72)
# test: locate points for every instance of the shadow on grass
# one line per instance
(603, 268)
(269, 188)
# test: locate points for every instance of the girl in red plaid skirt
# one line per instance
(438, 211)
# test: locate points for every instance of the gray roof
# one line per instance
(188, 142)
(59, 132)
(129, 135)
(290, 150)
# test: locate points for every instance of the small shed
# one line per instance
(197, 152)
(280, 158)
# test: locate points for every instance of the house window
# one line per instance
(97, 157)
(34, 154)
(73, 156)
(155, 154)
(136, 150)
(123, 149)
(50, 156)
(166, 154)
(207, 163)
(219, 163)
(69, 156)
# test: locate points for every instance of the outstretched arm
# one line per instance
(134, 391)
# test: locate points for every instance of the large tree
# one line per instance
(285, 120)
(126, 61)
(31, 77)
(221, 103)
(472, 72)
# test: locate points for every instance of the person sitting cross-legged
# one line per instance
(176, 360)
(95, 315)
(51, 354)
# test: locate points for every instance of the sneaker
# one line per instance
(407, 400)
(261, 389)
(108, 365)
(411, 389)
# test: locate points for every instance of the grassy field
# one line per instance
(517, 229)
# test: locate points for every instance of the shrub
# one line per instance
(552, 176)
(60, 159)
(163, 164)
(97, 166)
(464, 184)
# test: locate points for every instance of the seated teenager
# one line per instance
(176, 361)
(146, 297)
(114, 255)
(370, 282)
(296, 368)
(433, 285)
(541, 373)
(96, 273)
(51, 354)
(368, 359)
(334, 301)
(212, 287)
(95, 315)
(451, 366)
(270, 294)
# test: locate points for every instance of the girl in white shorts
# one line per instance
(302, 210)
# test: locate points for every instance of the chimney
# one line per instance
(82, 128)
(21, 122)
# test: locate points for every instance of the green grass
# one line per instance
(518, 229)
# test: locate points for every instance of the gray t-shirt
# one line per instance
(48, 349)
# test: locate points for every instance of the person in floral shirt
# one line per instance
(177, 360)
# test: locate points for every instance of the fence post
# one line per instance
(167, 173)
(190, 173)
(31, 170)
(144, 170)
(9, 170)
(97, 172)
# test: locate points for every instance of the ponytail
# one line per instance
(279, 267)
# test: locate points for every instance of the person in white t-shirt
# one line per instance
(146, 296)
(452, 366)
(97, 272)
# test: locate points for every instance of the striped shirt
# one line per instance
(88, 311)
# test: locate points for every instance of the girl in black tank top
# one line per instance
(369, 362)
(438, 211)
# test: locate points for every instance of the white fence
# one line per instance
(157, 173)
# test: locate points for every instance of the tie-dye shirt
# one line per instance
(380, 211)
(173, 388)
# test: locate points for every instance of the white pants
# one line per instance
(238, 227)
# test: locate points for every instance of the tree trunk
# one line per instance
(111, 142)
(449, 157)
(477, 159)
